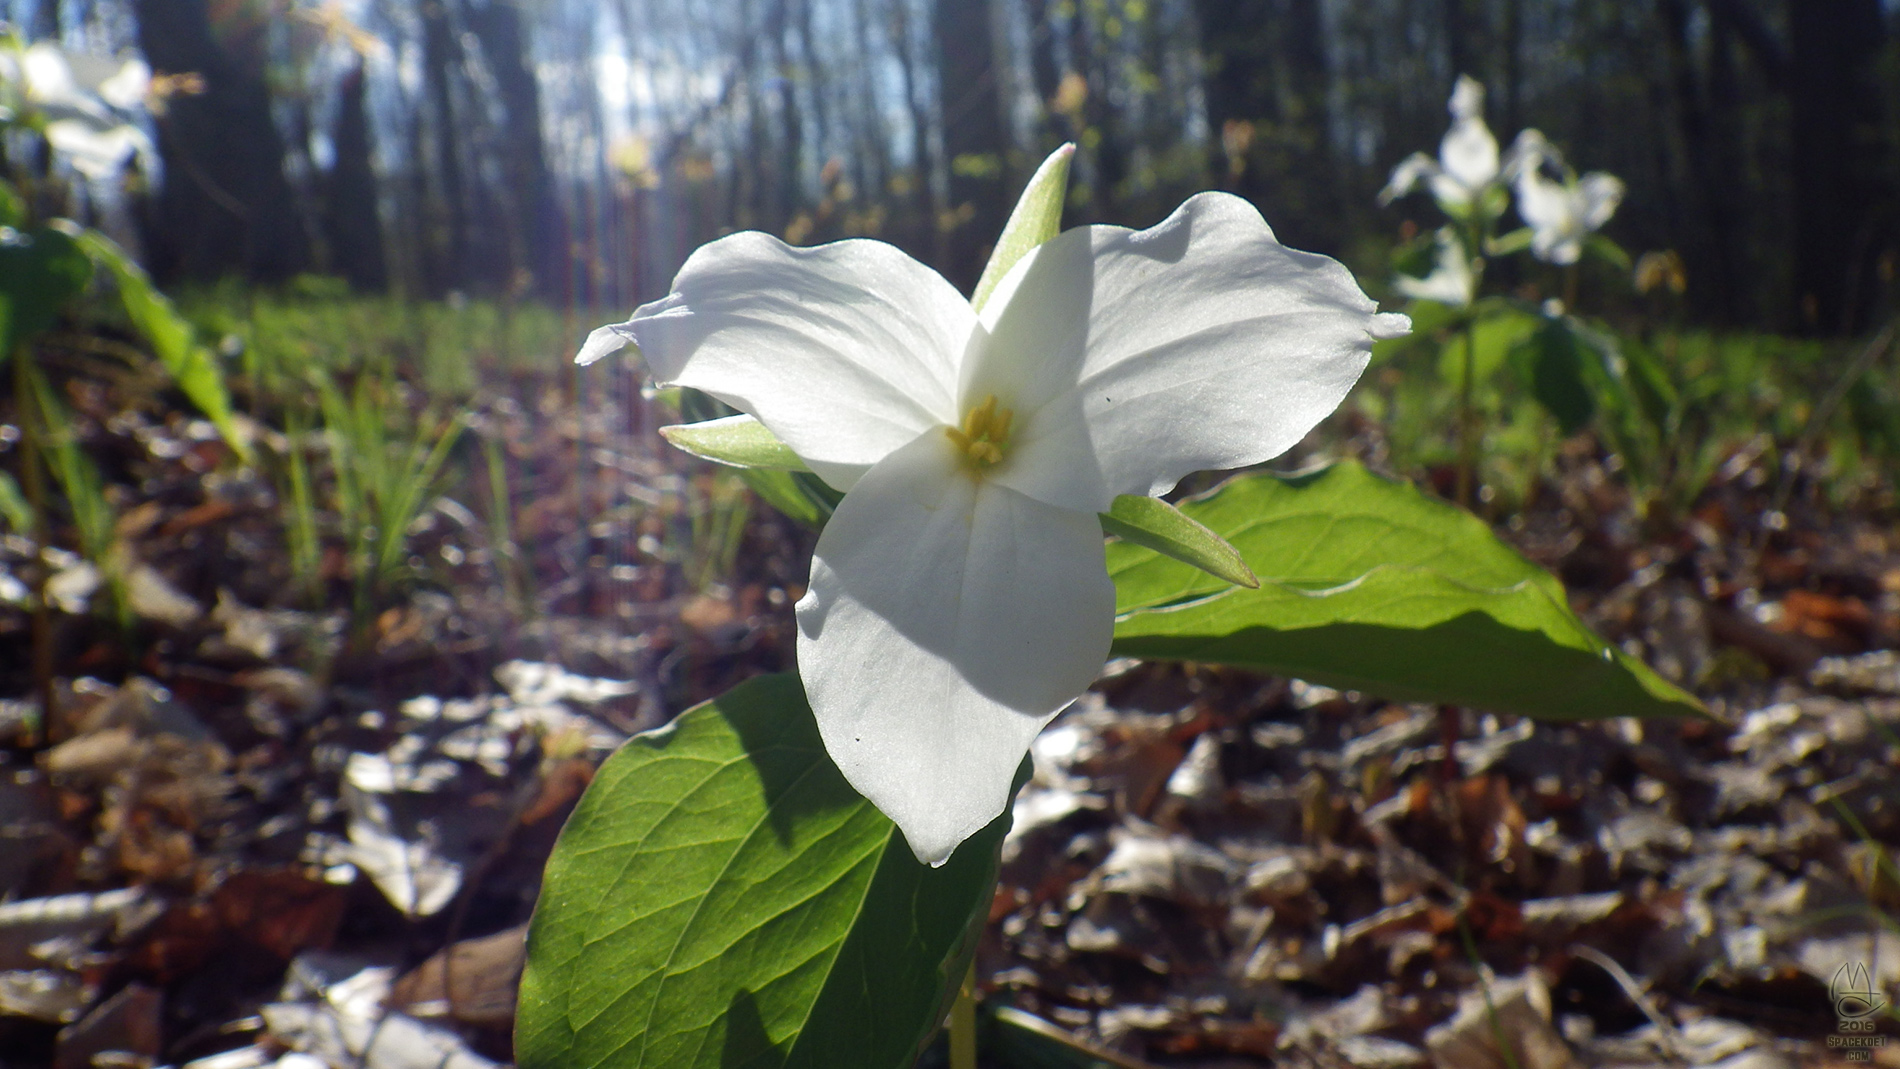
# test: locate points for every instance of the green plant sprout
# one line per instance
(384, 478)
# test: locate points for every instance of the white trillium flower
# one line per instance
(87, 103)
(958, 596)
(1467, 163)
(1452, 281)
(1562, 214)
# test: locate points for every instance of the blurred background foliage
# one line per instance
(575, 151)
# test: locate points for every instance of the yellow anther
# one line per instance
(985, 433)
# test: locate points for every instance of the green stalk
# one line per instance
(34, 477)
(1474, 241)
(306, 549)
(1467, 420)
(963, 1024)
(501, 530)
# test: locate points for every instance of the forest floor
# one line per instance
(259, 833)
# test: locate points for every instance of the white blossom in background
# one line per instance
(1561, 214)
(959, 597)
(88, 106)
(1467, 163)
(1453, 280)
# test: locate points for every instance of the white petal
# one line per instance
(1551, 211)
(845, 351)
(1600, 194)
(1134, 358)
(1540, 201)
(125, 87)
(948, 620)
(48, 75)
(1529, 151)
(1470, 154)
(1467, 98)
(1407, 175)
(604, 341)
(94, 151)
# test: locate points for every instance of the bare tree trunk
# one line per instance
(225, 206)
(533, 220)
(1711, 248)
(351, 224)
(929, 241)
(1266, 96)
(446, 253)
(973, 139)
(1836, 159)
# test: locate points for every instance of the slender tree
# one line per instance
(224, 206)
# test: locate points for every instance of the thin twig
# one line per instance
(1666, 1032)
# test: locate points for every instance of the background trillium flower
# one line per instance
(1562, 214)
(958, 596)
(86, 103)
(1467, 162)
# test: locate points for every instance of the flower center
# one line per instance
(984, 436)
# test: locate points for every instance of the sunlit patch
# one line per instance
(984, 437)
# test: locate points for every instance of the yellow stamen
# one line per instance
(984, 436)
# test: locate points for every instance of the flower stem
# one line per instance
(33, 475)
(963, 1023)
(1467, 420)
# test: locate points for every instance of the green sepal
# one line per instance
(1504, 245)
(1152, 522)
(738, 441)
(799, 494)
(1037, 218)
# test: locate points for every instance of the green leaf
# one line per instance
(1152, 522)
(1608, 251)
(1498, 327)
(1418, 256)
(722, 897)
(1553, 362)
(12, 205)
(1037, 218)
(14, 507)
(1367, 584)
(40, 271)
(739, 441)
(191, 365)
